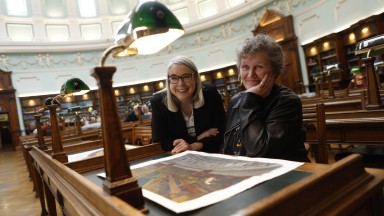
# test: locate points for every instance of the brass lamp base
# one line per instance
(128, 190)
(40, 137)
(62, 157)
(57, 147)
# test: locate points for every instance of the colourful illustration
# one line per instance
(192, 176)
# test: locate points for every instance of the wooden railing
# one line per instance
(335, 190)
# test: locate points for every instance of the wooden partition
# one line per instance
(342, 188)
(97, 162)
(75, 194)
(8, 109)
(142, 135)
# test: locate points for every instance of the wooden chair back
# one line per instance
(142, 135)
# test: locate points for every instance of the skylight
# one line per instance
(17, 7)
(57, 32)
(87, 8)
(20, 32)
(207, 8)
(233, 3)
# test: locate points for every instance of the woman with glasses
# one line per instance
(187, 115)
(266, 119)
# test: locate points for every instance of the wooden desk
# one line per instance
(342, 188)
(362, 131)
(359, 127)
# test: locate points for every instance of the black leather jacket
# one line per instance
(270, 127)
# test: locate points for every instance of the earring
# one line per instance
(241, 81)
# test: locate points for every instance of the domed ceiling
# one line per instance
(83, 22)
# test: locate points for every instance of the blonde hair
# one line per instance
(170, 100)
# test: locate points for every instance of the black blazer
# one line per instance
(168, 126)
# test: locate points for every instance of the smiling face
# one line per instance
(359, 78)
(182, 90)
(253, 68)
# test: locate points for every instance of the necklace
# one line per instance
(190, 123)
(187, 118)
(186, 109)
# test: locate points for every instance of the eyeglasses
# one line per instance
(186, 78)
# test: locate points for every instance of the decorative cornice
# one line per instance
(222, 19)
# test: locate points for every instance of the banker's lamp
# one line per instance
(147, 29)
(316, 79)
(367, 46)
(40, 137)
(73, 86)
(48, 101)
(328, 73)
(379, 64)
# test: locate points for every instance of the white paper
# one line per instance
(92, 153)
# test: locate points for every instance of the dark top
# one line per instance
(168, 126)
(270, 127)
(131, 117)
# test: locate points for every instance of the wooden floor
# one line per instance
(17, 197)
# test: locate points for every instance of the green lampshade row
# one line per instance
(148, 29)
(74, 86)
(373, 43)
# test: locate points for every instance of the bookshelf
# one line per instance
(206, 77)
(146, 92)
(87, 105)
(30, 107)
(84, 105)
(225, 79)
(340, 48)
(232, 81)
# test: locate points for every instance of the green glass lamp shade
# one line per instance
(74, 109)
(373, 43)
(332, 67)
(74, 86)
(149, 28)
(379, 64)
(134, 102)
(355, 70)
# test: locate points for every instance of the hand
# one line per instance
(208, 133)
(180, 145)
(264, 88)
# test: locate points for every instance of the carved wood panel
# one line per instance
(281, 29)
(8, 105)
